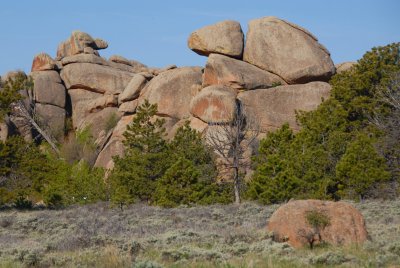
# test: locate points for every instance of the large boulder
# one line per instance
(43, 62)
(214, 104)
(287, 50)
(133, 89)
(48, 88)
(222, 70)
(276, 106)
(77, 43)
(224, 37)
(346, 225)
(97, 78)
(52, 117)
(128, 107)
(173, 90)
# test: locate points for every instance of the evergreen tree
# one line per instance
(360, 168)
(146, 157)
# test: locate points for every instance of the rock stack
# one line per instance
(280, 68)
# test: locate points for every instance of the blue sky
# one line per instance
(155, 32)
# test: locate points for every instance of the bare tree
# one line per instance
(389, 124)
(21, 109)
(231, 141)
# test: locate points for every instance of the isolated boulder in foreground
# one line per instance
(275, 106)
(287, 50)
(43, 62)
(214, 104)
(223, 70)
(346, 224)
(172, 91)
(225, 37)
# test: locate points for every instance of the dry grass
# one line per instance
(209, 236)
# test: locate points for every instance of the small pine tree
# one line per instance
(360, 168)
(146, 157)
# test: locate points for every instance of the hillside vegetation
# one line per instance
(200, 236)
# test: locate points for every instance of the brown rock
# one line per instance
(43, 62)
(222, 70)
(53, 117)
(133, 89)
(119, 59)
(100, 44)
(173, 90)
(114, 146)
(287, 50)
(100, 103)
(275, 106)
(77, 43)
(128, 107)
(77, 95)
(347, 225)
(344, 66)
(98, 121)
(84, 58)
(194, 123)
(97, 78)
(4, 130)
(224, 37)
(214, 104)
(48, 88)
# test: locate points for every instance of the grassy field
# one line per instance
(211, 236)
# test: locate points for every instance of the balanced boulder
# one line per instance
(97, 78)
(43, 62)
(173, 90)
(342, 223)
(222, 70)
(287, 50)
(275, 106)
(224, 37)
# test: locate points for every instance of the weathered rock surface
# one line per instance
(102, 102)
(214, 104)
(4, 130)
(53, 117)
(287, 50)
(43, 62)
(114, 146)
(48, 88)
(98, 121)
(347, 225)
(222, 70)
(133, 89)
(194, 123)
(84, 58)
(344, 66)
(78, 94)
(76, 44)
(119, 59)
(97, 78)
(224, 37)
(275, 106)
(173, 90)
(128, 107)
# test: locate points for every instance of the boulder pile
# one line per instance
(279, 68)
